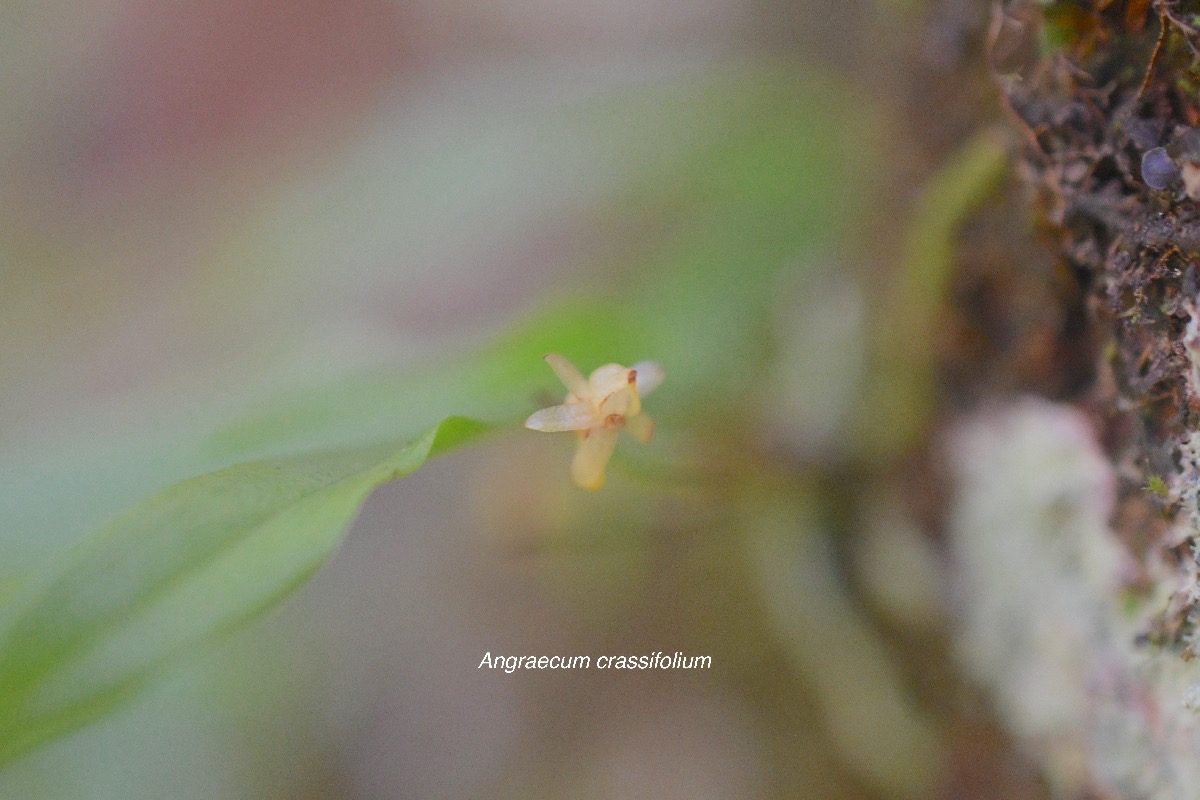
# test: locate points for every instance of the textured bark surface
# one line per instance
(1111, 83)
(1074, 526)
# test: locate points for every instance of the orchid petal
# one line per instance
(624, 402)
(569, 417)
(587, 470)
(571, 378)
(607, 380)
(640, 427)
(649, 376)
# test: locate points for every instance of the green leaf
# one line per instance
(193, 561)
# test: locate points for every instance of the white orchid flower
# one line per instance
(598, 407)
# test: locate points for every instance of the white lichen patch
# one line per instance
(1186, 485)
(1042, 621)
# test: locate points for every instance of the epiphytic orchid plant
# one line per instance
(222, 524)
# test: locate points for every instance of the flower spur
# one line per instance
(598, 407)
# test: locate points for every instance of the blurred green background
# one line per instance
(255, 227)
